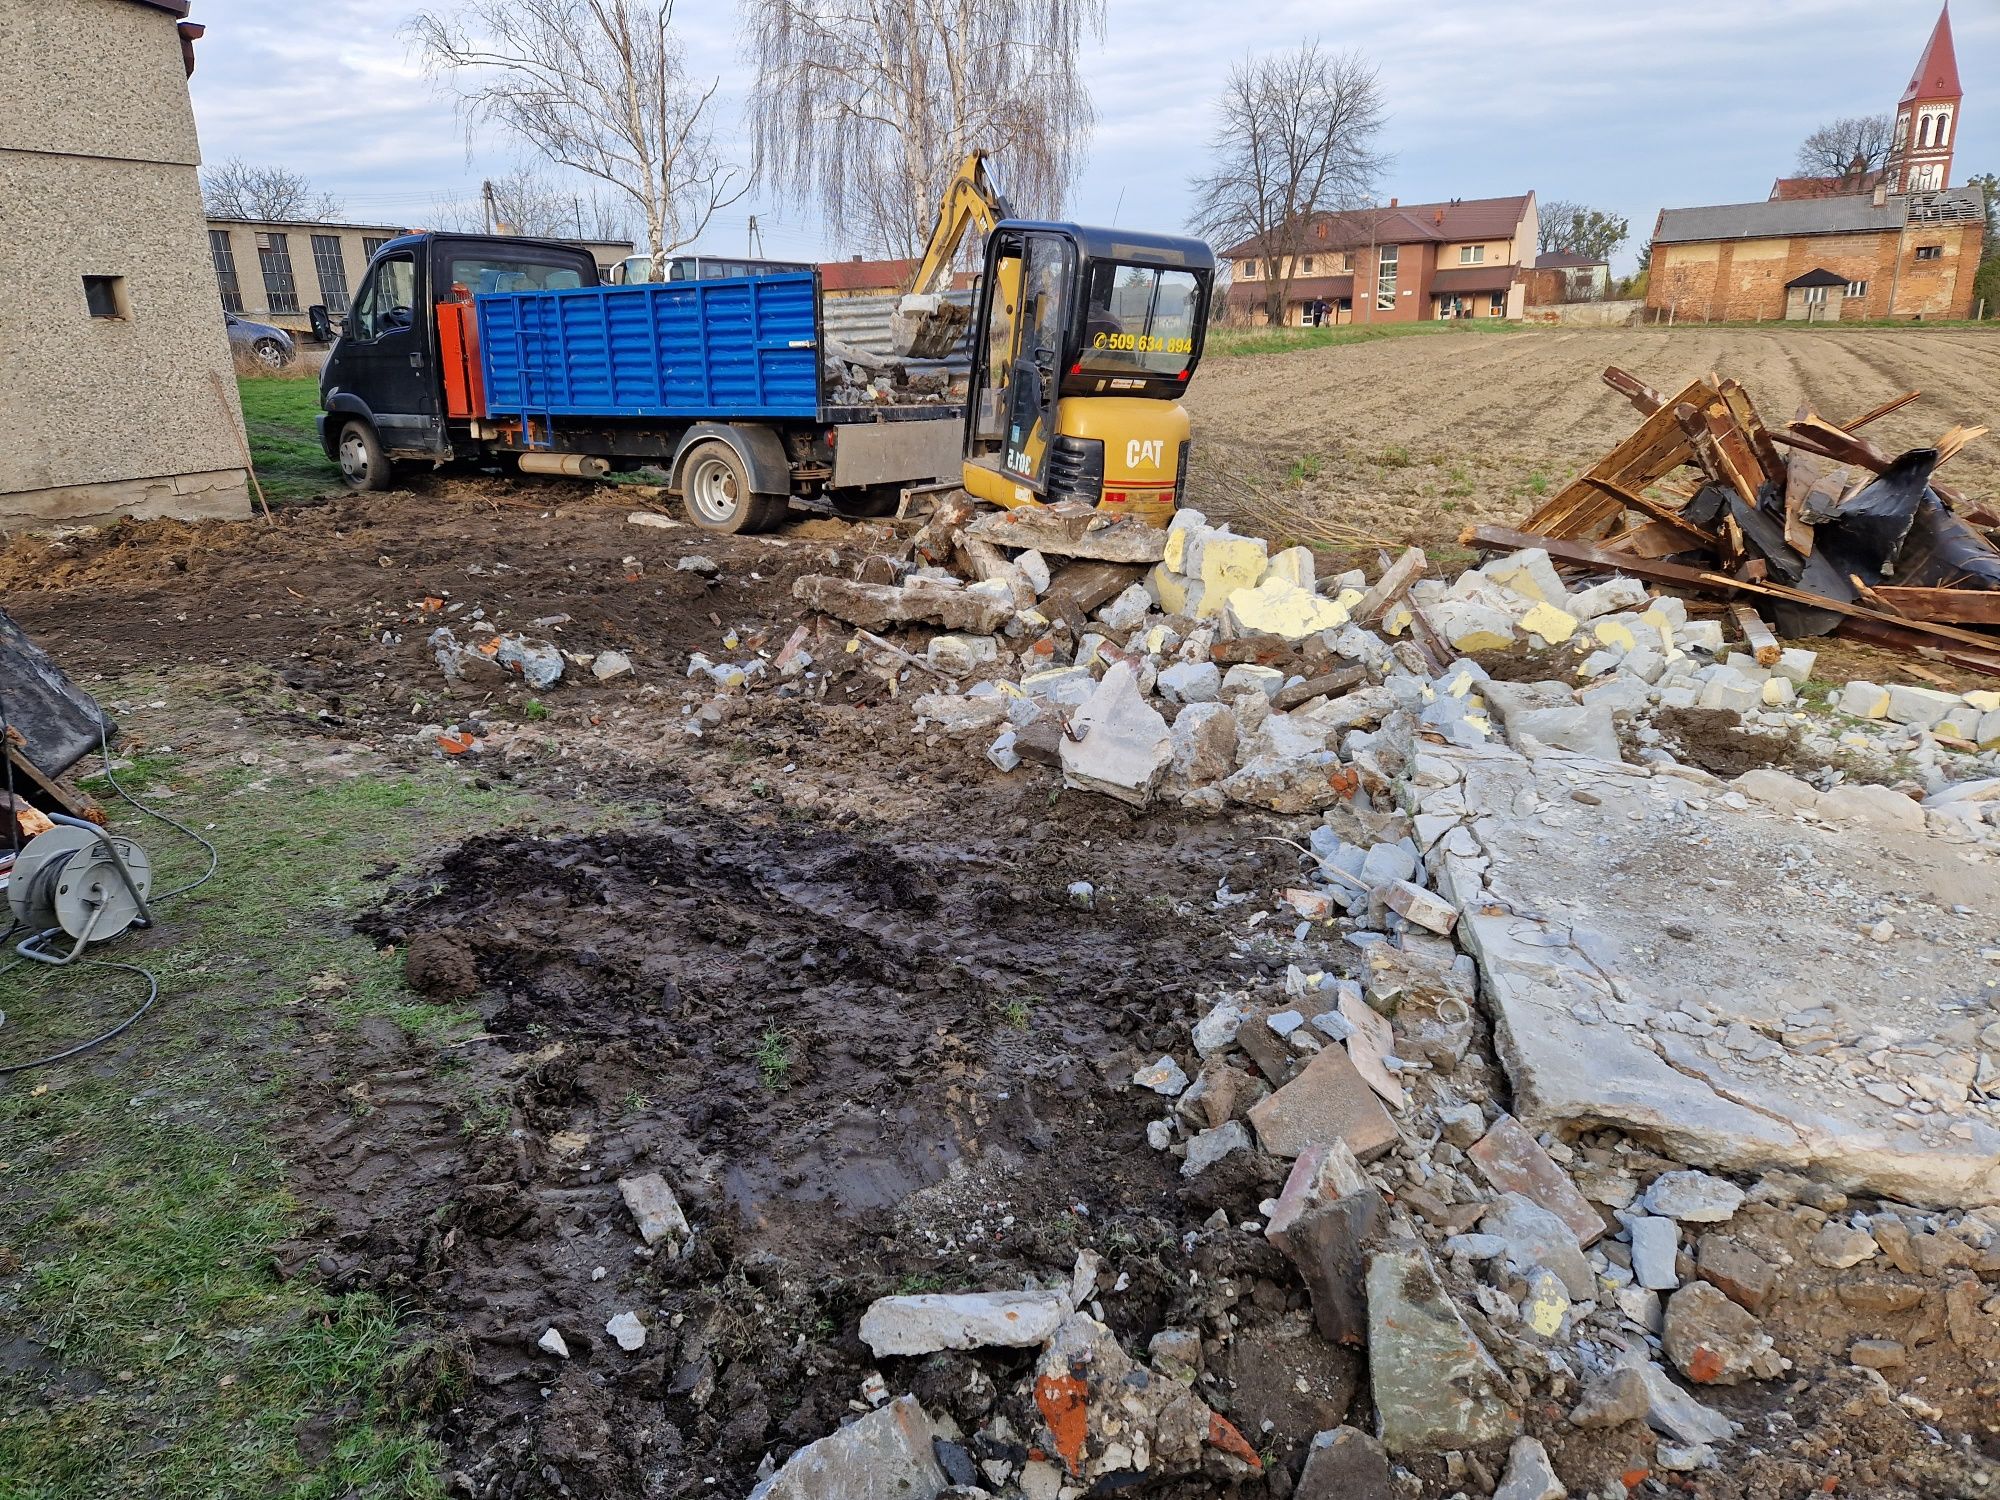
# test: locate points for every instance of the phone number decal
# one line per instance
(1142, 343)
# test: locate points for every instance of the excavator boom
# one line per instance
(925, 325)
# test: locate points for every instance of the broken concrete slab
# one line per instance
(1207, 1147)
(886, 1455)
(1066, 532)
(1597, 1022)
(655, 1209)
(920, 601)
(1712, 1341)
(1118, 744)
(1293, 784)
(1671, 1411)
(1693, 1197)
(1436, 1388)
(1535, 1237)
(1513, 1161)
(926, 1323)
(1328, 1100)
(1530, 1475)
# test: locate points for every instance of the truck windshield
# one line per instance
(1139, 318)
(484, 273)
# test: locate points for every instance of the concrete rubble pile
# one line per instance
(1553, 1114)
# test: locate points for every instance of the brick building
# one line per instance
(1467, 258)
(1887, 255)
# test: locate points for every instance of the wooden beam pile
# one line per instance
(1831, 530)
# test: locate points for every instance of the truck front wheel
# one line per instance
(716, 491)
(363, 464)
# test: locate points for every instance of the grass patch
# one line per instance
(144, 1195)
(774, 1059)
(279, 412)
(1231, 342)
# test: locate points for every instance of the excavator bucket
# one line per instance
(926, 326)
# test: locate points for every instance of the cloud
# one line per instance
(1591, 99)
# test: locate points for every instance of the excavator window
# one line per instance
(1139, 318)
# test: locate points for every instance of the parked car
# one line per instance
(271, 346)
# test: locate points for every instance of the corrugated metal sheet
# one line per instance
(863, 323)
(739, 347)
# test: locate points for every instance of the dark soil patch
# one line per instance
(439, 965)
(865, 1067)
(1717, 740)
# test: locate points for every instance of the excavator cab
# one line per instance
(1083, 340)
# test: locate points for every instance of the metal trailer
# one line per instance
(719, 382)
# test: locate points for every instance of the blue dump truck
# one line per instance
(481, 350)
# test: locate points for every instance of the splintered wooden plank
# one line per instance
(1655, 448)
(1802, 472)
(1655, 510)
(1943, 606)
(1770, 463)
(1739, 460)
(1635, 390)
(1654, 539)
(1757, 636)
(1391, 586)
(1876, 413)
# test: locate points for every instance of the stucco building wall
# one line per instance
(136, 413)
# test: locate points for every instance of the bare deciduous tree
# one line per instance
(1577, 227)
(532, 203)
(599, 86)
(1296, 140)
(866, 107)
(1841, 146)
(237, 190)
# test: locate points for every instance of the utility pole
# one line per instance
(577, 199)
(492, 212)
(753, 245)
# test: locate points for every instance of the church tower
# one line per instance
(1927, 118)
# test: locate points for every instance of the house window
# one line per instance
(1930, 252)
(224, 256)
(1815, 296)
(1857, 288)
(332, 271)
(1496, 304)
(1385, 279)
(104, 296)
(1306, 265)
(1471, 255)
(1924, 132)
(274, 255)
(371, 245)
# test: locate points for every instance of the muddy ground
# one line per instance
(826, 976)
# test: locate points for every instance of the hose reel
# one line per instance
(80, 881)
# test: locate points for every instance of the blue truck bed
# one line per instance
(738, 347)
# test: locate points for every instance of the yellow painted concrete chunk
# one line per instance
(1228, 564)
(1614, 635)
(1985, 700)
(1294, 565)
(1397, 620)
(1553, 625)
(1168, 588)
(1349, 598)
(1176, 555)
(1275, 607)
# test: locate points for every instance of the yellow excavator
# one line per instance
(1082, 342)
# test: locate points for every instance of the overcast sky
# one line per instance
(1599, 100)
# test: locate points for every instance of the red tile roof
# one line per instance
(1302, 289)
(1404, 224)
(1937, 72)
(866, 275)
(1791, 189)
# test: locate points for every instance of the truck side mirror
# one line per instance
(322, 325)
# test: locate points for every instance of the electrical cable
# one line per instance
(152, 979)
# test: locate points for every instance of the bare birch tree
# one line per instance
(529, 202)
(1838, 147)
(237, 190)
(1296, 139)
(866, 107)
(599, 86)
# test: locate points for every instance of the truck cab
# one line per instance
(383, 391)
(1083, 342)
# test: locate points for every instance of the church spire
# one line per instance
(1927, 118)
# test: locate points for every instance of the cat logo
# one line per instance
(1143, 450)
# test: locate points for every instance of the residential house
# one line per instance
(117, 384)
(1889, 255)
(865, 278)
(275, 270)
(1565, 276)
(1466, 258)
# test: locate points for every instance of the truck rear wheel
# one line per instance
(363, 464)
(716, 492)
